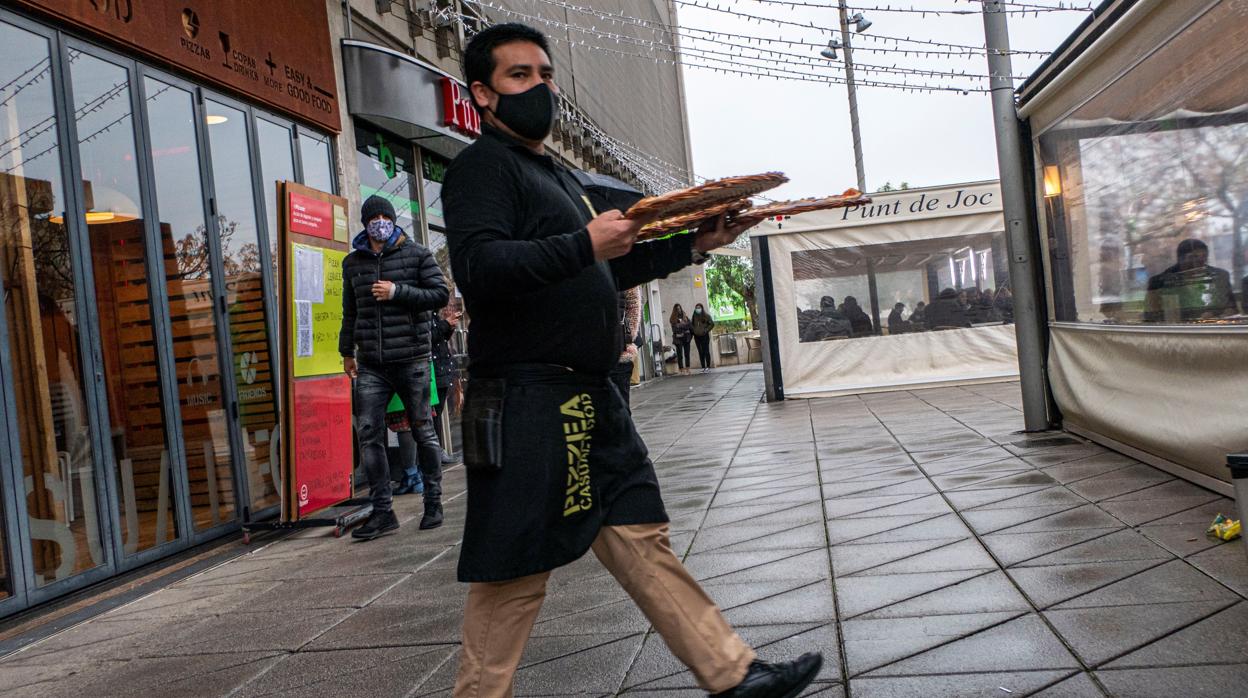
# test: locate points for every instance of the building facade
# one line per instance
(141, 148)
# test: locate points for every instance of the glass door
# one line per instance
(58, 480)
(126, 306)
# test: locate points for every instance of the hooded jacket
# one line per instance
(397, 330)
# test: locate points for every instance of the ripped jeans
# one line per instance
(373, 389)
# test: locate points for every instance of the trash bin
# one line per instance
(728, 347)
(1238, 463)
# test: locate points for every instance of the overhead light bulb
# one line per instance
(861, 24)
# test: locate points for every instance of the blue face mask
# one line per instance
(380, 229)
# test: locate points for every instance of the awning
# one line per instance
(399, 94)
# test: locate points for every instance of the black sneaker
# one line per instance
(433, 515)
(782, 680)
(379, 524)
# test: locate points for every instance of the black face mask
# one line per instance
(530, 114)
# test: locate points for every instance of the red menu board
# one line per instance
(322, 442)
(311, 216)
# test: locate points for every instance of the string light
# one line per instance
(1023, 9)
(873, 37)
(747, 69)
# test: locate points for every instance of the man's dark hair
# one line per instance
(479, 61)
(1191, 245)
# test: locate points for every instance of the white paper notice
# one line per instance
(309, 275)
(303, 328)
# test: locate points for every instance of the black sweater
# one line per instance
(522, 256)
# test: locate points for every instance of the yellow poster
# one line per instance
(316, 281)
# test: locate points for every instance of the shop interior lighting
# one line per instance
(861, 24)
(214, 119)
(1052, 181)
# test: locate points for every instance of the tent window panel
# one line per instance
(899, 288)
(1145, 188)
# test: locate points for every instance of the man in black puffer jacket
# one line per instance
(392, 286)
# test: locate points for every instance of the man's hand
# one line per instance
(613, 235)
(716, 233)
(383, 290)
(348, 366)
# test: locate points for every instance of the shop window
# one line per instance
(433, 173)
(40, 306)
(387, 170)
(110, 180)
(277, 164)
(249, 329)
(318, 161)
(1145, 188)
(898, 288)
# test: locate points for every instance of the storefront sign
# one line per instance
(457, 109)
(311, 216)
(277, 51)
(322, 447)
(904, 205)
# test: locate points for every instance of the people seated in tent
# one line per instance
(859, 321)
(1190, 290)
(918, 319)
(946, 313)
(1004, 303)
(822, 324)
(896, 325)
(987, 310)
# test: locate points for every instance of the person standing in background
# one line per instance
(445, 374)
(702, 324)
(391, 286)
(630, 321)
(682, 335)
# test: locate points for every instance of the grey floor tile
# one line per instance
(1226, 563)
(940, 527)
(848, 530)
(1046, 586)
(858, 595)
(963, 555)
(394, 626)
(857, 506)
(1219, 639)
(1167, 682)
(1023, 644)
(1172, 582)
(1119, 482)
(872, 643)
(1078, 686)
(986, 593)
(810, 603)
(1119, 545)
(985, 521)
(969, 499)
(388, 671)
(1102, 633)
(1088, 516)
(1019, 683)
(851, 558)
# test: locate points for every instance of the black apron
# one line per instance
(571, 463)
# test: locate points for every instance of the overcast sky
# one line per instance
(742, 125)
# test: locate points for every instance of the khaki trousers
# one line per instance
(499, 616)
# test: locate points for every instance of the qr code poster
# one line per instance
(303, 328)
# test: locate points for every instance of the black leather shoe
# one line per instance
(781, 680)
(379, 524)
(433, 515)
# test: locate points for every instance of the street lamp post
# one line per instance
(853, 95)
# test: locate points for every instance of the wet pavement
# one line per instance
(913, 537)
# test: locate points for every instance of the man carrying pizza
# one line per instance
(554, 464)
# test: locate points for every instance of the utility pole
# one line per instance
(853, 97)
(1029, 322)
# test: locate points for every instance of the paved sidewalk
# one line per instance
(913, 537)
